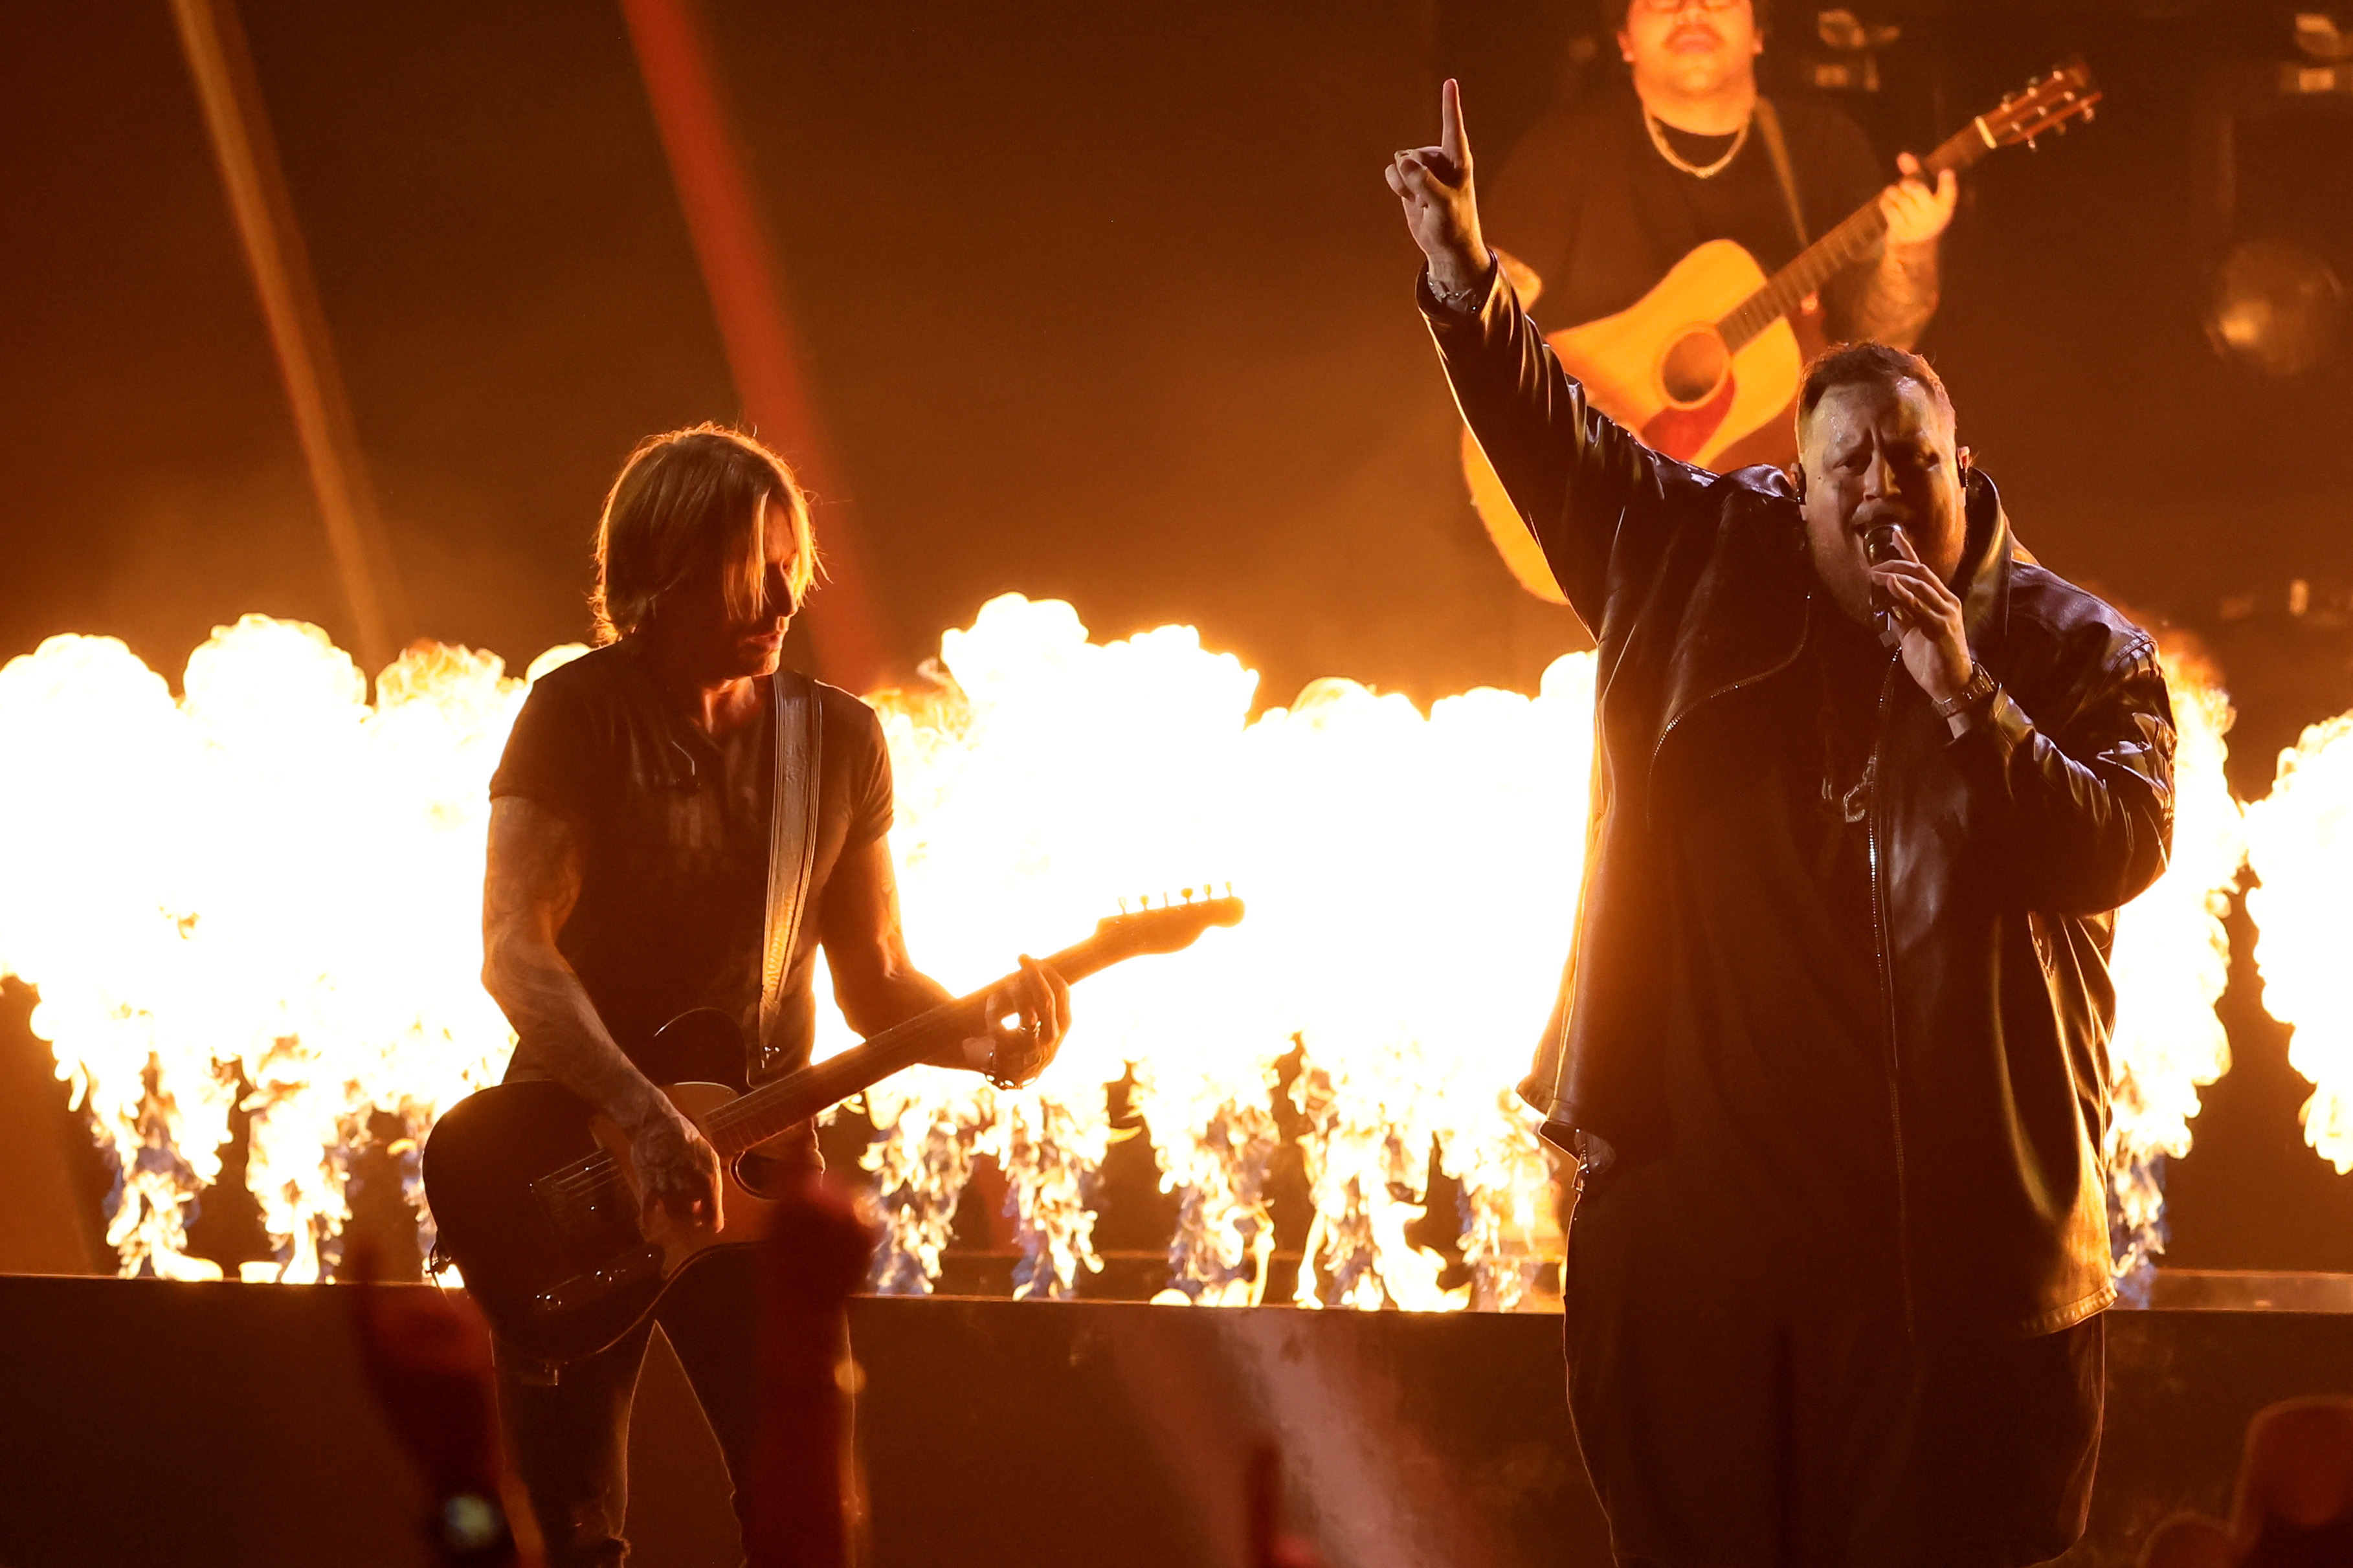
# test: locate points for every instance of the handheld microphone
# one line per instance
(1884, 543)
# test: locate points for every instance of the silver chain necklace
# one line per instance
(1696, 171)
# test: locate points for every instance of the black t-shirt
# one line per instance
(1776, 1067)
(673, 830)
(1586, 201)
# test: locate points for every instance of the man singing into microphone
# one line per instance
(1831, 1043)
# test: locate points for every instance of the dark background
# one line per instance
(1102, 303)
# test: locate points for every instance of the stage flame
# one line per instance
(2170, 962)
(1410, 882)
(269, 882)
(2300, 848)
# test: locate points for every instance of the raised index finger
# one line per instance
(1450, 139)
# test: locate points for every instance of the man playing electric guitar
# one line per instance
(629, 881)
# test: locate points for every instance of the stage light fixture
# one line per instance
(2324, 35)
(1854, 43)
(2276, 306)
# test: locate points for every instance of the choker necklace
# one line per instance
(1696, 171)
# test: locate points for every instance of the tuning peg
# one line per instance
(2087, 114)
(1123, 904)
(1189, 895)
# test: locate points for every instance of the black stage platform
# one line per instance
(144, 1422)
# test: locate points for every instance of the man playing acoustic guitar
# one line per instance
(1596, 203)
(629, 881)
(1830, 1048)
(1604, 206)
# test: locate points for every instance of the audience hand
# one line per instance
(2294, 1499)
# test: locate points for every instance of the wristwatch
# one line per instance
(1466, 302)
(1979, 689)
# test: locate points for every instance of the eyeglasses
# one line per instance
(1669, 7)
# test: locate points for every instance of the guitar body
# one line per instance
(555, 1260)
(535, 1199)
(1661, 370)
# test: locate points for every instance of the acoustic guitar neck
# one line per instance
(1839, 249)
(2047, 104)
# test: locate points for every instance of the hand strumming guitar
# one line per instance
(677, 1170)
(533, 880)
(1441, 209)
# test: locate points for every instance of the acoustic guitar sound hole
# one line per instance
(1694, 368)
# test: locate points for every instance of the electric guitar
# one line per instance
(1704, 368)
(535, 1201)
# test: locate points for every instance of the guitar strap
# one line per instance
(1769, 126)
(791, 848)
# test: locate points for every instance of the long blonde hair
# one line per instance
(687, 497)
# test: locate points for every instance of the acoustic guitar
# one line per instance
(532, 1193)
(1705, 368)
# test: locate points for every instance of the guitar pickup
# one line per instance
(586, 1214)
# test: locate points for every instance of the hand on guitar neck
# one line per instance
(1916, 212)
(1013, 1053)
(678, 1180)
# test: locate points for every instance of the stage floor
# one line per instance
(187, 1423)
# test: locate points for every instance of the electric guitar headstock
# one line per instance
(1171, 925)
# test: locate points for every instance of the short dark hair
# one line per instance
(1869, 365)
(1613, 15)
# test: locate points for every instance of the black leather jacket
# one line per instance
(1998, 859)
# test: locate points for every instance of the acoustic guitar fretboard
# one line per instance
(1841, 247)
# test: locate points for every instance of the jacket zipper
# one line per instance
(1887, 997)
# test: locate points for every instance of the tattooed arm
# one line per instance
(1890, 299)
(533, 882)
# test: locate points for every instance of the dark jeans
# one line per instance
(569, 1443)
(1741, 1404)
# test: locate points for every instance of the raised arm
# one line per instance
(1585, 487)
(532, 881)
